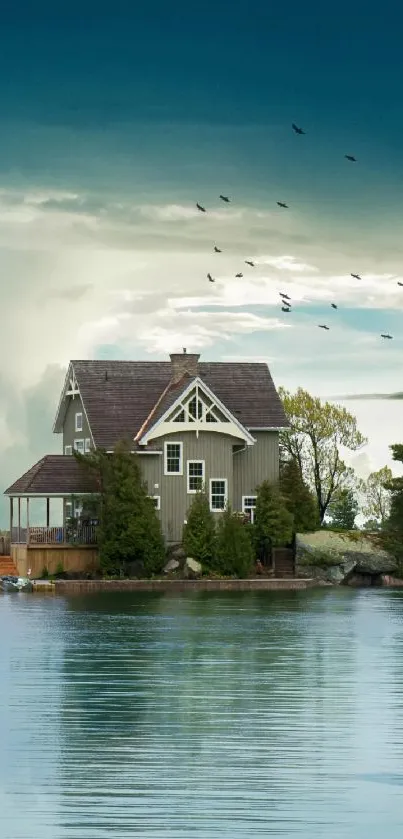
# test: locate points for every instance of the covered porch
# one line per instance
(47, 528)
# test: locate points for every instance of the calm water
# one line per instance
(202, 716)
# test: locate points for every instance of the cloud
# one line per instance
(85, 270)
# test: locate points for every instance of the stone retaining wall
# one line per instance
(258, 584)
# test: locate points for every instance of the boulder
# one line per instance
(388, 580)
(192, 569)
(340, 557)
(178, 553)
(172, 565)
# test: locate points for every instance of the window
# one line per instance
(195, 475)
(195, 408)
(218, 494)
(79, 422)
(156, 499)
(79, 446)
(68, 449)
(173, 459)
(249, 506)
(87, 446)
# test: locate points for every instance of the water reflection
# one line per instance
(242, 715)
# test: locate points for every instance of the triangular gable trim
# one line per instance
(70, 388)
(197, 382)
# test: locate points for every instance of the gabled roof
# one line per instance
(119, 396)
(54, 474)
(174, 394)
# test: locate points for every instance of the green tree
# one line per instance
(299, 499)
(234, 552)
(199, 532)
(376, 496)
(392, 529)
(129, 532)
(343, 509)
(274, 524)
(318, 430)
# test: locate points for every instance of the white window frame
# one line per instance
(156, 498)
(81, 440)
(203, 475)
(173, 443)
(68, 450)
(248, 508)
(79, 422)
(225, 482)
(87, 445)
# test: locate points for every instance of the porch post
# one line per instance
(47, 512)
(11, 518)
(27, 521)
(19, 519)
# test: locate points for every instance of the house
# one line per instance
(190, 423)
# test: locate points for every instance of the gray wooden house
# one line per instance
(189, 422)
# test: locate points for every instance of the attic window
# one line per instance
(197, 408)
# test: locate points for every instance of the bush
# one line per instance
(199, 533)
(234, 553)
(274, 524)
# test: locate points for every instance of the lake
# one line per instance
(205, 715)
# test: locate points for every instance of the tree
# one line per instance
(234, 552)
(376, 496)
(273, 524)
(392, 529)
(299, 499)
(317, 432)
(129, 532)
(343, 509)
(199, 533)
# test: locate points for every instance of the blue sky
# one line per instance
(117, 118)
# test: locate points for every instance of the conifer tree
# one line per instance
(274, 524)
(299, 499)
(234, 552)
(199, 533)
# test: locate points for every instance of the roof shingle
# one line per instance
(119, 396)
(54, 474)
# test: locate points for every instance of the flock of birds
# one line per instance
(285, 299)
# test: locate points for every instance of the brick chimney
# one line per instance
(182, 363)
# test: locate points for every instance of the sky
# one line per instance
(117, 118)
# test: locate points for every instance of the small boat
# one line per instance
(9, 583)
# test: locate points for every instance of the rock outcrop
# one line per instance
(341, 558)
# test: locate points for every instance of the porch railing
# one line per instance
(85, 534)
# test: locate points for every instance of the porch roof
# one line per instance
(54, 475)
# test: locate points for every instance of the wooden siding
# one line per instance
(75, 560)
(256, 464)
(69, 433)
(214, 449)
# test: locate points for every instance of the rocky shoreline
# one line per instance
(350, 558)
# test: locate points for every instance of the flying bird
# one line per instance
(210, 278)
(387, 336)
(225, 198)
(286, 296)
(281, 204)
(249, 262)
(323, 326)
(202, 209)
(399, 283)
(296, 129)
(333, 305)
(217, 250)
(285, 309)
(239, 275)
(350, 157)
(356, 276)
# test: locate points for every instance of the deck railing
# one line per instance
(84, 534)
